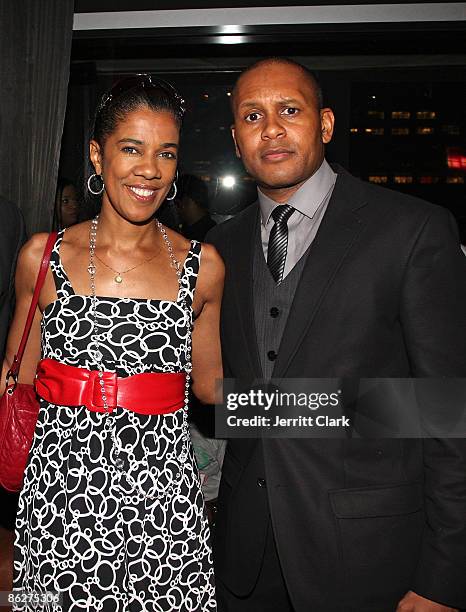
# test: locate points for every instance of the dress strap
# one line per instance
(62, 284)
(189, 273)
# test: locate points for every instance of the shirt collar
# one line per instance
(308, 197)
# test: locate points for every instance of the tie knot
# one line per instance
(282, 213)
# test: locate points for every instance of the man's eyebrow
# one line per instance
(249, 103)
(254, 103)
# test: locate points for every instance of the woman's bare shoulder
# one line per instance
(77, 234)
(211, 272)
(180, 244)
(32, 251)
(211, 255)
(29, 260)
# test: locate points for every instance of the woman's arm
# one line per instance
(206, 350)
(29, 261)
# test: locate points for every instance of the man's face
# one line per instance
(279, 131)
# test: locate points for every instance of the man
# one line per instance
(330, 277)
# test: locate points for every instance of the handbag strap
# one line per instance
(44, 266)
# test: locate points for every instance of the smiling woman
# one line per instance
(137, 163)
(128, 316)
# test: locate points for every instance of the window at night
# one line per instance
(420, 106)
(401, 114)
(423, 131)
(403, 180)
(425, 115)
(428, 180)
(381, 180)
(400, 131)
(373, 114)
(386, 104)
(453, 130)
(374, 131)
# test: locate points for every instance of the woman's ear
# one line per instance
(95, 156)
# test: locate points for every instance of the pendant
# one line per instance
(118, 279)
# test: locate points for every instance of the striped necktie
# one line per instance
(278, 241)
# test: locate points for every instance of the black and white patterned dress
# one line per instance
(82, 529)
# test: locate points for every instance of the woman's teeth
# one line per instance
(144, 193)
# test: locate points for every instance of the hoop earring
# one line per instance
(174, 187)
(92, 178)
(175, 191)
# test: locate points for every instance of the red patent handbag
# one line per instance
(19, 406)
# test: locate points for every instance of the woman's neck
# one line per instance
(121, 235)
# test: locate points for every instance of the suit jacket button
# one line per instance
(272, 355)
(274, 312)
(261, 482)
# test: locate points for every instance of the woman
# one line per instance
(66, 209)
(111, 513)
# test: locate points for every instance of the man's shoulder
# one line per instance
(228, 230)
(384, 200)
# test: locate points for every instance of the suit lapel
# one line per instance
(245, 244)
(339, 229)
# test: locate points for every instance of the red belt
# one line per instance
(148, 393)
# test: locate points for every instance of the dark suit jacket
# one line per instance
(12, 237)
(357, 522)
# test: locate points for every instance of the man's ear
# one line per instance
(327, 122)
(95, 156)
(238, 153)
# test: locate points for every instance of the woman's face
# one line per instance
(138, 163)
(69, 205)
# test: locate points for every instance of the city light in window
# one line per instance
(401, 114)
(425, 115)
(400, 131)
(456, 158)
(453, 130)
(374, 114)
(424, 131)
(428, 180)
(374, 131)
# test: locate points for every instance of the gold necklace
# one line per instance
(119, 278)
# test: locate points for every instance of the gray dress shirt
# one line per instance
(310, 201)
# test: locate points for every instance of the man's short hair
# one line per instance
(308, 74)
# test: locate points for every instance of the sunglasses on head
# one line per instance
(144, 81)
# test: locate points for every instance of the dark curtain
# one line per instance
(35, 46)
